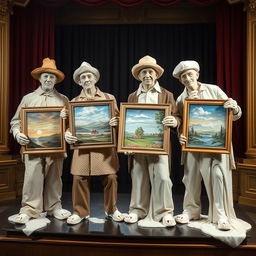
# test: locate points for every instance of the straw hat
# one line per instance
(146, 62)
(184, 66)
(85, 67)
(48, 66)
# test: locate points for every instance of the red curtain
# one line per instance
(231, 62)
(31, 40)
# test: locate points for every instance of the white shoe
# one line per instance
(168, 221)
(61, 214)
(75, 219)
(131, 218)
(116, 216)
(182, 218)
(22, 218)
(223, 224)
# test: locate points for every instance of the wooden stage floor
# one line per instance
(112, 238)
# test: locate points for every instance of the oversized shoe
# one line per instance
(168, 221)
(61, 214)
(223, 224)
(22, 218)
(75, 219)
(182, 218)
(131, 218)
(116, 216)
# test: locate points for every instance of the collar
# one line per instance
(40, 91)
(156, 88)
(98, 93)
(202, 87)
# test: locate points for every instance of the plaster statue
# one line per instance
(42, 188)
(214, 169)
(93, 162)
(151, 197)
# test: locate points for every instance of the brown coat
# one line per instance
(164, 97)
(95, 162)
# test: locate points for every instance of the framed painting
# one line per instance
(141, 129)
(45, 129)
(207, 126)
(89, 122)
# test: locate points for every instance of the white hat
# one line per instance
(85, 67)
(183, 66)
(147, 62)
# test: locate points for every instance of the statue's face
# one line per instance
(189, 78)
(148, 77)
(87, 80)
(47, 80)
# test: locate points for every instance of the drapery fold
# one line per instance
(231, 63)
(31, 40)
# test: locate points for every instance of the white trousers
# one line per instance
(151, 186)
(217, 177)
(42, 188)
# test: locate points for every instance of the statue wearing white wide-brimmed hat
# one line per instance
(102, 162)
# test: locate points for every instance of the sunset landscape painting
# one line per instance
(44, 129)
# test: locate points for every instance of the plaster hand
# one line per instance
(22, 139)
(64, 113)
(182, 139)
(193, 95)
(114, 121)
(170, 121)
(230, 103)
(69, 138)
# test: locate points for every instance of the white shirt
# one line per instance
(150, 96)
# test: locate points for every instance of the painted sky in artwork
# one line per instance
(207, 117)
(43, 124)
(144, 118)
(91, 114)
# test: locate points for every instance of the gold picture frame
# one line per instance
(141, 129)
(207, 126)
(45, 129)
(89, 122)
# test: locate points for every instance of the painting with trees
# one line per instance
(207, 125)
(141, 127)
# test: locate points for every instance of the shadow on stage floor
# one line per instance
(118, 233)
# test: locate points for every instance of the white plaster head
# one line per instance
(85, 67)
(146, 62)
(184, 66)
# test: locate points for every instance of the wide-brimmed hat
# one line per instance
(184, 66)
(85, 67)
(48, 66)
(147, 62)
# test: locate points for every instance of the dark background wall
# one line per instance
(114, 49)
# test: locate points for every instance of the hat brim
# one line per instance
(80, 70)
(38, 71)
(138, 67)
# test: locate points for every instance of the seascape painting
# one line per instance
(91, 124)
(207, 126)
(143, 128)
(44, 130)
